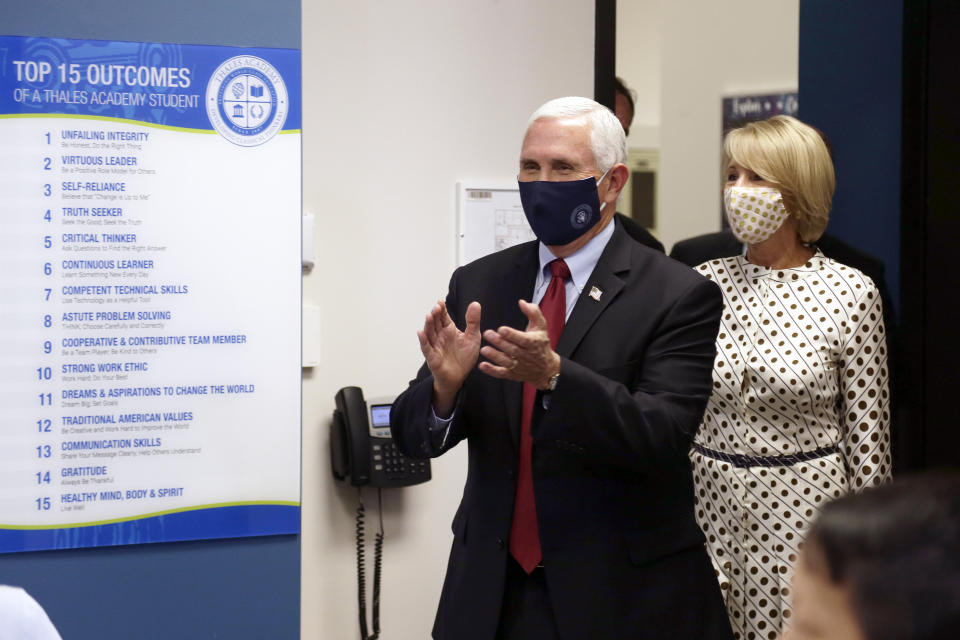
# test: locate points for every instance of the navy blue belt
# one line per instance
(742, 461)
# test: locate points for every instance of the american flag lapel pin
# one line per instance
(595, 293)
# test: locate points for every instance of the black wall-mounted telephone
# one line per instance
(361, 447)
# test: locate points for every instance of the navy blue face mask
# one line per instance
(561, 212)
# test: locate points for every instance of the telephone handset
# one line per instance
(361, 446)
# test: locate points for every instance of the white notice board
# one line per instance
(490, 219)
(150, 287)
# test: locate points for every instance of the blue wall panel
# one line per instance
(237, 23)
(232, 589)
(236, 589)
(850, 88)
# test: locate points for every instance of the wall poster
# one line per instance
(490, 219)
(149, 292)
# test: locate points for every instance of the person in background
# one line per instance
(577, 512)
(623, 109)
(882, 565)
(799, 413)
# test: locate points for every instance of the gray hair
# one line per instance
(607, 139)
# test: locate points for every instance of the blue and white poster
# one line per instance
(149, 292)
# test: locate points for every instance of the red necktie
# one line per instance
(524, 536)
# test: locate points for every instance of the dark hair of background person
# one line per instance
(896, 550)
(624, 108)
(620, 87)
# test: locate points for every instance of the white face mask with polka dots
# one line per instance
(754, 213)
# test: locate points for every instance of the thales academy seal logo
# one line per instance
(247, 101)
(580, 216)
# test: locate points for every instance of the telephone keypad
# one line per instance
(396, 464)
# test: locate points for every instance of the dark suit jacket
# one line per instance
(636, 231)
(623, 555)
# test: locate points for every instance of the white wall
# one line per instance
(708, 49)
(639, 29)
(402, 99)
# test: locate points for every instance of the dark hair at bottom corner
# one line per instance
(896, 548)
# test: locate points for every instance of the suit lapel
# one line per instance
(605, 284)
(518, 284)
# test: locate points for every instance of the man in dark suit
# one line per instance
(577, 514)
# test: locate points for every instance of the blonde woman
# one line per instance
(799, 412)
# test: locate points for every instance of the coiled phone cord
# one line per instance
(361, 569)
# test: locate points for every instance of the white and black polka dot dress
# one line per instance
(799, 415)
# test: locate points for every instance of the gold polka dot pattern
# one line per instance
(801, 366)
(754, 213)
